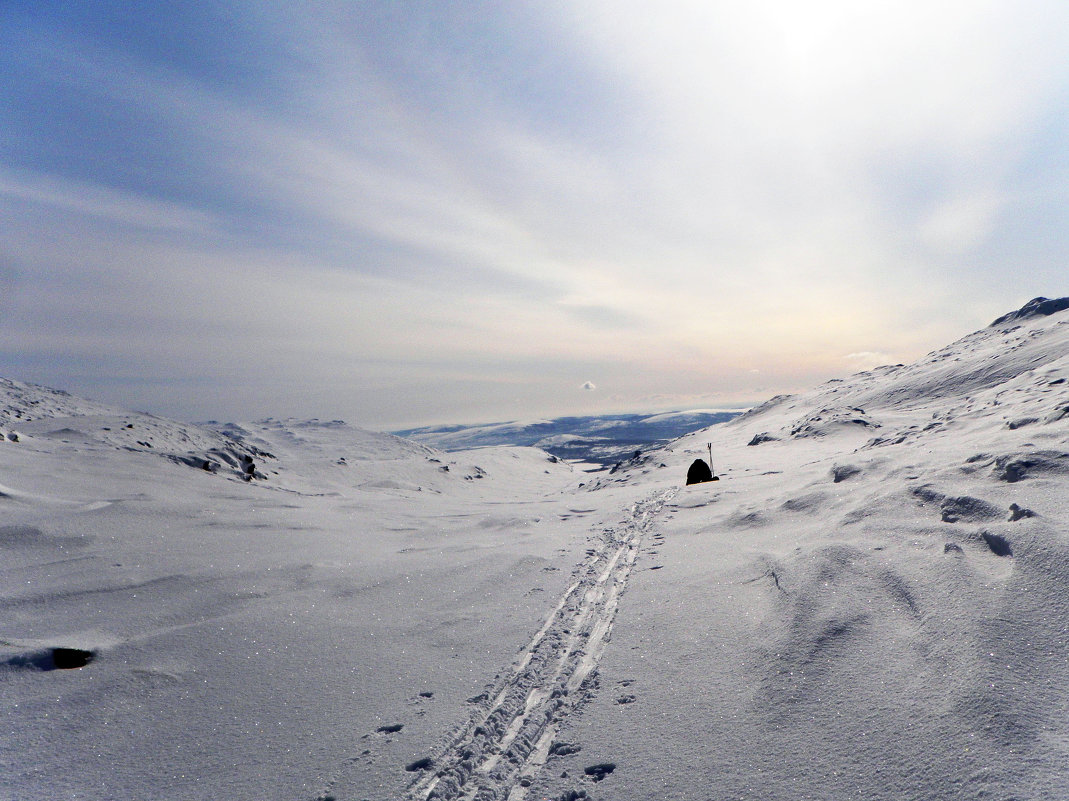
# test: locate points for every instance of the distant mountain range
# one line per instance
(597, 439)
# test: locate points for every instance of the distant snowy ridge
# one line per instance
(30, 410)
(280, 453)
(602, 439)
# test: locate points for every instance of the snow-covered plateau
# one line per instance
(871, 602)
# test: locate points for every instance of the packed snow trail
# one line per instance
(497, 753)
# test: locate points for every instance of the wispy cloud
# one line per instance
(496, 203)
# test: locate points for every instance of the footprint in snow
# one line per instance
(564, 749)
(599, 771)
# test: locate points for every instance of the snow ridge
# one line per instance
(1036, 307)
(498, 752)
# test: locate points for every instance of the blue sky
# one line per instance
(405, 213)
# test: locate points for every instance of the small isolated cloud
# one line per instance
(589, 386)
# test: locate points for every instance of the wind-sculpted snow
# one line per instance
(870, 603)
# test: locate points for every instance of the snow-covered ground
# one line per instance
(872, 602)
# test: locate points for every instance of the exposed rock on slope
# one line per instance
(1036, 307)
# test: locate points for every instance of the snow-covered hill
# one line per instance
(872, 601)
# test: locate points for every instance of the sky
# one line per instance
(405, 213)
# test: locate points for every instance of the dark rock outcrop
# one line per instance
(1036, 307)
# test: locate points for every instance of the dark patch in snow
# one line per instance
(826, 421)
(806, 503)
(747, 520)
(1015, 467)
(998, 544)
(59, 658)
(977, 462)
(71, 658)
(967, 508)
(925, 494)
(420, 764)
(22, 536)
(842, 472)
(599, 771)
(761, 438)
(954, 548)
(564, 749)
(1021, 422)
(1018, 513)
(1057, 414)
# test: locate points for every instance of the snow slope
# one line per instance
(872, 601)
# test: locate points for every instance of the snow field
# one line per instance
(871, 603)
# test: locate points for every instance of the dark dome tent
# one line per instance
(700, 472)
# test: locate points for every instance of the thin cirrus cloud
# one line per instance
(404, 209)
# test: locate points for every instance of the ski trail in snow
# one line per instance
(495, 756)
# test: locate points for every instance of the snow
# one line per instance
(689, 414)
(870, 603)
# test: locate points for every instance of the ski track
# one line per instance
(495, 756)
